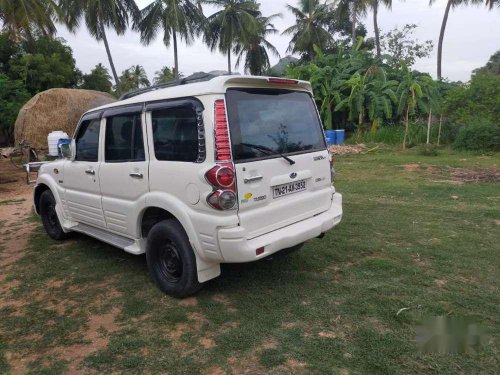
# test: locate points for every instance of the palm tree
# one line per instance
(99, 15)
(177, 18)
(255, 50)
(453, 4)
(310, 28)
(236, 21)
(409, 94)
(375, 5)
(358, 9)
(26, 17)
(163, 75)
(133, 78)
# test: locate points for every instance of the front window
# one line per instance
(280, 121)
(87, 141)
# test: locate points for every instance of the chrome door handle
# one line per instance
(136, 175)
(252, 179)
(90, 171)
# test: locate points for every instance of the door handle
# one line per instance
(90, 171)
(252, 179)
(136, 175)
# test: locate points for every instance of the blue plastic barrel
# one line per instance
(339, 136)
(330, 137)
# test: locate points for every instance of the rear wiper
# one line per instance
(268, 151)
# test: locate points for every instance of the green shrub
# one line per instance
(428, 150)
(480, 136)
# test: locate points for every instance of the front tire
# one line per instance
(171, 260)
(47, 204)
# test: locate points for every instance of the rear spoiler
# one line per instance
(247, 81)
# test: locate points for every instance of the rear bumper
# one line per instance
(236, 248)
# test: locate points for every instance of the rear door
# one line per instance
(124, 169)
(274, 192)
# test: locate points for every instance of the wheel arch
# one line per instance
(37, 193)
(158, 207)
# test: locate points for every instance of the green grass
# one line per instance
(11, 201)
(403, 243)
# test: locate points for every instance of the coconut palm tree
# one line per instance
(358, 10)
(451, 4)
(375, 5)
(133, 78)
(255, 51)
(99, 15)
(310, 28)
(26, 17)
(176, 18)
(236, 21)
(410, 97)
(163, 75)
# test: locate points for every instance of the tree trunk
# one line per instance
(439, 131)
(441, 38)
(354, 21)
(110, 58)
(375, 26)
(407, 115)
(176, 56)
(229, 61)
(429, 120)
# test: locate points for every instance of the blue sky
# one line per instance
(472, 36)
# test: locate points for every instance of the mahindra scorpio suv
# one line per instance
(229, 170)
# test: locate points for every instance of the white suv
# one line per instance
(224, 171)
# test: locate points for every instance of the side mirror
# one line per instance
(67, 150)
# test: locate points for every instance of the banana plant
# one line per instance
(410, 97)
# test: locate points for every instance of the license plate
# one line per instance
(290, 188)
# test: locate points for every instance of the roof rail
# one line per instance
(196, 77)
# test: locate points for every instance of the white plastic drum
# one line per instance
(52, 140)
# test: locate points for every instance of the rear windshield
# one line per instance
(283, 121)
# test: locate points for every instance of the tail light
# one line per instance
(222, 142)
(222, 177)
(283, 81)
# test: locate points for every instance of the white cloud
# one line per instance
(471, 38)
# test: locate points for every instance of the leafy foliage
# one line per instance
(480, 135)
(236, 21)
(44, 63)
(254, 50)
(310, 28)
(176, 18)
(132, 79)
(480, 98)
(26, 18)
(492, 66)
(400, 46)
(13, 95)
(98, 79)
(163, 75)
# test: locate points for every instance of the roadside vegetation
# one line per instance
(415, 236)
(365, 85)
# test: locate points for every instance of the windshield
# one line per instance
(281, 121)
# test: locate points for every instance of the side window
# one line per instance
(87, 140)
(175, 134)
(124, 141)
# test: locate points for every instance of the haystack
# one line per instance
(55, 109)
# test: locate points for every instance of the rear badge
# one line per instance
(293, 175)
(318, 158)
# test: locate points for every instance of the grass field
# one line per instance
(412, 237)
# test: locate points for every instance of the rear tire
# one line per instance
(47, 204)
(171, 260)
